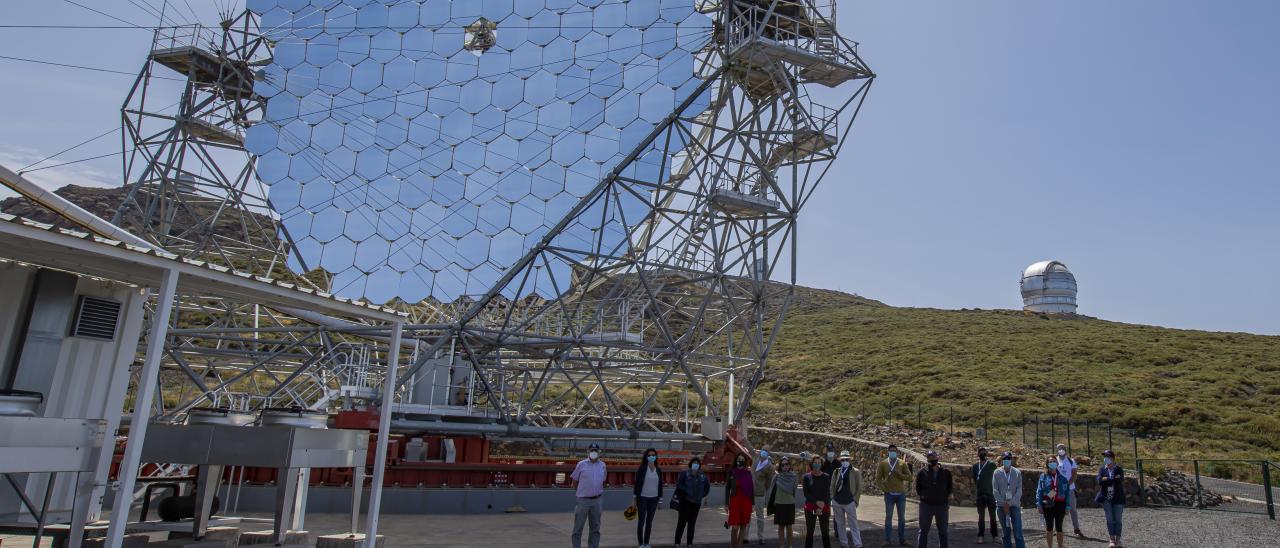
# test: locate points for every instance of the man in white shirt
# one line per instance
(1067, 466)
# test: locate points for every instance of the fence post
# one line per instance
(986, 423)
(1070, 451)
(953, 420)
(920, 415)
(1024, 429)
(1266, 484)
(1199, 500)
(1088, 439)
(1134, 435)
(1142, 484)
(1037, 442)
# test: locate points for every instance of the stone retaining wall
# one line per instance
(866, 454)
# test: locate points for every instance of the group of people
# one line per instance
(825, 485)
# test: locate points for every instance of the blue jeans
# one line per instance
(899, 500)
(647, 507)
(1115, 513)
(1011, 523)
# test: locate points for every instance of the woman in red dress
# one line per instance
(739, 493)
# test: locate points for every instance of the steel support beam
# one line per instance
(148, 380)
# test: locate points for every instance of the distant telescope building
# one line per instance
(1047, 286)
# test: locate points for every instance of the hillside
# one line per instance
(1189, 392)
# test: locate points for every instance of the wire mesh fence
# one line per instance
(1227, 485)
(1082, 437)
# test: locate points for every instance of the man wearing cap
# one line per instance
(1006, 490)
(893, 475)
(588, 484)
(933, 486)
(981, 474)
(846, 487)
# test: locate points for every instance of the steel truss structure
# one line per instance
(683, 256)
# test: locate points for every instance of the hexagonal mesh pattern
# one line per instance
(411, 158)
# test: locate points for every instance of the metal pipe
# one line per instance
(148, 380)
(384, 432)
(512, 429)
(72, 212)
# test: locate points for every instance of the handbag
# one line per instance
(675, 502)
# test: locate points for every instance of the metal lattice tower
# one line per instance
(599, 237)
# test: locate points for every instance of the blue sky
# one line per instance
(1136, 141)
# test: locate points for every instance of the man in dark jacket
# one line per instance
(933, 486)
(982, 472)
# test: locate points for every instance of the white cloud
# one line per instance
(84, 174)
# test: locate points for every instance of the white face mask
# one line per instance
(844, 464)
(593, 455)
(831, 455)
(1062, 452)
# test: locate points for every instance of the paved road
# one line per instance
(1144, 527)
(1246, 492)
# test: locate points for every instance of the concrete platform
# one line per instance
(344, 540)
(267, 537)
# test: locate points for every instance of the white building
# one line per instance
(1047, 286)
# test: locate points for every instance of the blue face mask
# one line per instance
(1053, 466)
(1008, 463)
(764, 454)
(1107, 460)
(695, 466)
(893, 454)
(652, 458)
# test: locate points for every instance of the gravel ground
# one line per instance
(1144, 528)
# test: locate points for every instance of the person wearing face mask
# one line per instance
(1068, 467)
(1111, 496)
(892, 477)
(817, 503)
(647, 492)
(1006, 490)
(1052, 500)
(588, 484)
(738, 494)
(846, 487)
(692, 487)
(933, 486)
(782, 494)
(829, 462)
(762, 474)
(982, 473)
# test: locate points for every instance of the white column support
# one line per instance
(384, 433)
(145, 395)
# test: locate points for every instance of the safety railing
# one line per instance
(186, 36)
(788, 23)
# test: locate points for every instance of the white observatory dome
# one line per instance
(1047, 286)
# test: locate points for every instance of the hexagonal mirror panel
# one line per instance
(418, 148)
